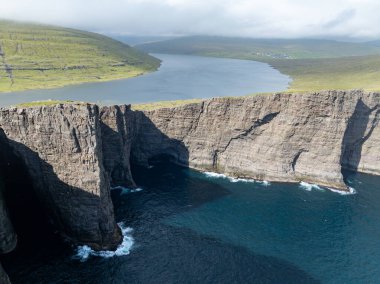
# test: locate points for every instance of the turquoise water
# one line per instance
(179, 77)
(188, 227)
(333, 238)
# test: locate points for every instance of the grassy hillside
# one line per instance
(39, 56)
(313, 64)
(260, 49)
(356, 72)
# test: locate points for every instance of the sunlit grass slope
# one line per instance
(356, 72)
(36, 56)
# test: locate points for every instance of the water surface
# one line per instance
(192, 228)
(180, 77)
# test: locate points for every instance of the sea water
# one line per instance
(186, 226)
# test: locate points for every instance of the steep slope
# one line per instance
(281, 137)
(74, 153)
(39, 56)
(61, 147)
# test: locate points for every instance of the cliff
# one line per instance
(61, 147)
(75, 153)
(8, 238)
(281, 137)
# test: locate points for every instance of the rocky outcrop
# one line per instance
(75, 153)
(8, 237)
(62, 148)
(117, 127)
(281, 137)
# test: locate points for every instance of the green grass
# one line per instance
(164, 104)
(178, 103)
(362, 72)
(47, 103)
(312, 64)
(39, 56)
(260, 49)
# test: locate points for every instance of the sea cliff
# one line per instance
(281, 137)
(75, 153)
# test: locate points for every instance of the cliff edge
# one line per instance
(61, 147)
(281, 137)
(75, 153)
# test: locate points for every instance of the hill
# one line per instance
(313, 64)
(260, 49)
(34, 56)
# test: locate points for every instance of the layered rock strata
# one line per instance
(281, 137)
(75, 153)
(61, 147)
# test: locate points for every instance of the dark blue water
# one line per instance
(180, 77)
(191, 228)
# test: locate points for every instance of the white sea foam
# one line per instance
(215, 175)
(264, 182)
(231, 179)
(84, 252)
(309, 186)
(240, 179)
(350, 191)
(126, 190)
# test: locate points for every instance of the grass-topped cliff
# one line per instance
(313, 64)
(34, 56)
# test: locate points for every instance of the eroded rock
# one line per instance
(280, 137)
(61, 147)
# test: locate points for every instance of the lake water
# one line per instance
(190, 227)
(180, 77)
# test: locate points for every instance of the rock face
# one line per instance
(280, 137)
(75, 153)
(8, 237)
(117, 127)
(62, 149)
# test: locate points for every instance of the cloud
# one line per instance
(252, 18)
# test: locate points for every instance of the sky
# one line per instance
(247, 18)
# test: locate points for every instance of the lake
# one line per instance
(191, 227)
(180, 77)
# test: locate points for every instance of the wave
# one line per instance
(310, 186)
(215, 175)
(264, 182)
(84, 252)
(232, 179)
(350, 191)
(126, 190)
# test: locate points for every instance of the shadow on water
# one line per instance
(42, 210)
(161, 253)
(167, 254)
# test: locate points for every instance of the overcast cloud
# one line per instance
(252, 18)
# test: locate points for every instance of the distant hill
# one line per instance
(260, 49)
(374, 43)
(313, 64)
(133, 40)
(34, 56)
